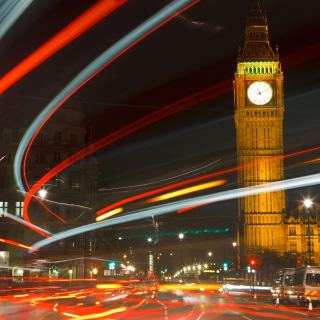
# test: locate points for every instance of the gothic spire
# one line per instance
(257, 47)
(256, 18)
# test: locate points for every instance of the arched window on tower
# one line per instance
(246, 70)
(262, 70)
(254, 70)
(258, 69)
(250, 70)
(267, 70)
(270, 69)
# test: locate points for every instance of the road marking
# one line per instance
(255, 308)
(165, 310)
(236, 312)
(246, 318)
(200, 315)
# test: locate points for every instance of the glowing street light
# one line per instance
(42, 193)
(149, 240)
(307, 203)
(181, 236)
(95, 271)
(234, 244)
(209, 254)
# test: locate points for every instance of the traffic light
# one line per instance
(248, 268)
(112, 265)
(252, 262)
(225, 266)
(90, 271)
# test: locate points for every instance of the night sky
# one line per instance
(192, 52)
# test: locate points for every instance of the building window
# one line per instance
(3, 207)
(57, 157)
(19, 209)
(292, 231)
(39, 158)
(57, 138)
(7, 137)
(293, 246)
(73, 138)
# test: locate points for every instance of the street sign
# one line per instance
(107, 272)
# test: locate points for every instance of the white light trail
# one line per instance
(174, 206)
(10, 11)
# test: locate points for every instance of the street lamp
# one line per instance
(42, 193)
(209, 254)
(234, 244)
(181, 236)
(308, 204)
(149, 240)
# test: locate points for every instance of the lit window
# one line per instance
(19, 209)
(3, 207)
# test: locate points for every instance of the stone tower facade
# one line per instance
(259, 108)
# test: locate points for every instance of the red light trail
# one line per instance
(98, 145)
(88, 19)
(160, 114)
(18, 244)
(178, 184)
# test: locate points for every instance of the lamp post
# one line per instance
(308, 204)
(181, 236)
(234, 244)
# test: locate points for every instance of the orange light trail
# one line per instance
(187, 190)
(18, 244)
(196, 98)
(109, 214)
(179, 184)
(305, 162)
(88, 19)
(102, 314)
(103, 142)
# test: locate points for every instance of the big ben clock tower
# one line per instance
(258, 101)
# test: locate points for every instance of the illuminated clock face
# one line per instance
(259, 93)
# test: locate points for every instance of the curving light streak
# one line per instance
(102, 314)
(187, 190)
(135, 36)
(164, 112)
(210, 175)
(10, 11)
(165, 208)
(28, 224)
(150, 183)
(109, 214)
(18, 244)
(89, 18)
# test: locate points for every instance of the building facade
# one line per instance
(259, 111)
(71, 194)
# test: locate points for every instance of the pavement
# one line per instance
(169, 306)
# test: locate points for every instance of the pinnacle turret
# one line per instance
(256, 17)
(257, 47)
